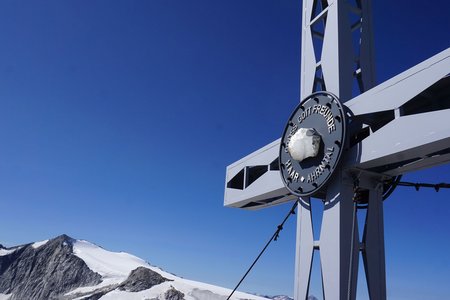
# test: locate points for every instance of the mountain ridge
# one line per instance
(43, 271)
(69, 269)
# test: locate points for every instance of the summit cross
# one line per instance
(345, 142)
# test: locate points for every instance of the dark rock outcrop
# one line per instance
(141, 279)
(173, 294)
(46, 272)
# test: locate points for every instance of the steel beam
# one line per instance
(396, 91)
(255, 182)
(373, 241)
(304, 249)
(339, 244)
(408, 143)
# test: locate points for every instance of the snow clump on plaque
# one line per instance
(304, 143)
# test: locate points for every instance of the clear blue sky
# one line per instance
(118, 119)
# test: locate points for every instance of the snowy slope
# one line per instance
(4, 296)
(68, 269)
(115, 267)
(39, 244)
(7, 251)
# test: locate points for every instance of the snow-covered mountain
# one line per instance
(65, 268)
(284, 297)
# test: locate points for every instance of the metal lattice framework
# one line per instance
(337, 57)
(349, 68)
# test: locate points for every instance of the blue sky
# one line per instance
(118, 119)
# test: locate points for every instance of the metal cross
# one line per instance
(376, 145)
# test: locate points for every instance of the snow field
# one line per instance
(115, 267)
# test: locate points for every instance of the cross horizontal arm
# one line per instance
(417, 99)
(255, 181)
(408, 143)
(407, 120)
(394, 92)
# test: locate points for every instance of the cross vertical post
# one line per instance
(337, 56)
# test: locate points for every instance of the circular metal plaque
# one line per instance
(312, 143)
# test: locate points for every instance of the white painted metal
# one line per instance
(389, 150)
(304, 249)
(421, 164)
(394, 92)
(270, 186)
(387, 145)
(337, 241)
(267, 190)
(405, 138)
(366, 59)
(308, 61)
(373, 241)
(338, 56)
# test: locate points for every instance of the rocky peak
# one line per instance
(63, 238)
(65, 268)
(44, 270)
